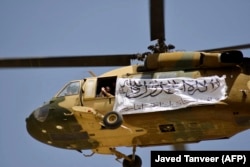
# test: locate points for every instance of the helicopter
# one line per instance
(217, 69)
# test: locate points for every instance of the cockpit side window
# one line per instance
(70, 89)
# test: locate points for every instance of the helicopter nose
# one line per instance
(34, 122)
(31, 125)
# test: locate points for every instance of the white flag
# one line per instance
(150, 95)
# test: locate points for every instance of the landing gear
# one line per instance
(135, 162)
(132, 160)
(112, 120)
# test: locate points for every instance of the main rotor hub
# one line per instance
(161, 47)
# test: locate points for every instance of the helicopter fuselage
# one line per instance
(75, 121)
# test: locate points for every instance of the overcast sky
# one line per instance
(32, 28)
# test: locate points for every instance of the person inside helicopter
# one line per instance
(70, 89)
(105, 92)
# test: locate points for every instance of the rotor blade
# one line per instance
(68, 61)
(236, 47)
(157, 20)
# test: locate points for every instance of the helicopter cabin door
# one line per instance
(99, 93)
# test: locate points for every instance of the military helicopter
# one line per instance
(77, 118)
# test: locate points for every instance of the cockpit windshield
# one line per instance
(70, 89)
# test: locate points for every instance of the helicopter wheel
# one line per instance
(137, 162)
(112, 120)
